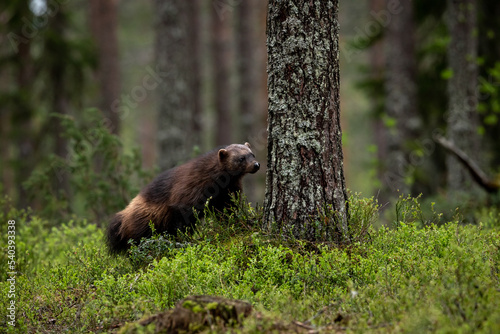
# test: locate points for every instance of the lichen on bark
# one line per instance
(305, 171)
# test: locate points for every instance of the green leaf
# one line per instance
(491, 119)
(495, 106)
(482, 108)
(389, 122)
(447, 74)
(487, 87)
(481, 130)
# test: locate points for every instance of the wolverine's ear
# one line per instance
(247, 144)
(223, 154)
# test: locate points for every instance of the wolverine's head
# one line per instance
(238, 158)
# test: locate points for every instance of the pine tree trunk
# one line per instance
(401, 98)
(305, 162)
(248, 84)
(60, 102)
(195, 78)
(24, 138)
(377, 65)
(489, 49)
(248, 70)
(221, 48)
(22, 115)
(175, 111)
(7, 177)
(462, 86)
(103, 23)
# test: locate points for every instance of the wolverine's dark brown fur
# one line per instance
(168, 201)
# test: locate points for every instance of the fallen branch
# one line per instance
(476, 172)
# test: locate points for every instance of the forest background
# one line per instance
(174, 80)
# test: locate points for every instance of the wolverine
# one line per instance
(170, 199)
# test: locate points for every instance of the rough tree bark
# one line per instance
(104, 23)
(305, 161)
(401, 97)
(221, 49)
(462, 95)
(175, 111)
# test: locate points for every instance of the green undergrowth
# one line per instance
(412, 277)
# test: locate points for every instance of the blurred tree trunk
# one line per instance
(402, 120)
(257, 135)
(103, 23)
(377, 57)
(248, 85)
(175, 111)
(194, 29)
(305, 167)
(247, 57)
(21, 108)
(192, 99)
(7, 173)
(462, 89)
(24, 125)
(489, 50)
(221, 49)
(377, 64)
(7, 177)
(59, 92)
(261, 133)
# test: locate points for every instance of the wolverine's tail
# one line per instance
(116, 243)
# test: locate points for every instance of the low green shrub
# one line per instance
(149, 249)
(412, 278)
(94, 180)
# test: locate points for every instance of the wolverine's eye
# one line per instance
(241, 159)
